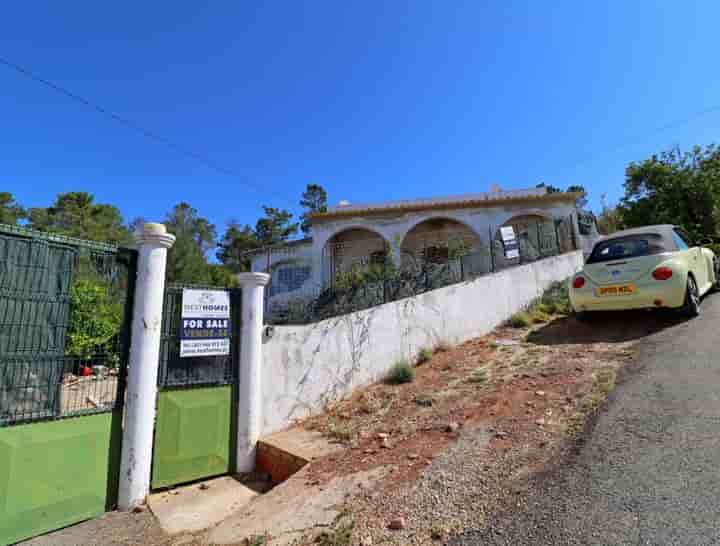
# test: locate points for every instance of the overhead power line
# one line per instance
(659, 129)
(242, 180)
(152, 135)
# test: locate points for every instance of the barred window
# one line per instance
(292, 278)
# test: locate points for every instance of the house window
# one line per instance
(293, 277)
(585, 222)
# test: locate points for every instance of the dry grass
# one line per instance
(479, 376)
(339, 430)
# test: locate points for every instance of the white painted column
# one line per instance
(249, 418)
(137, 443)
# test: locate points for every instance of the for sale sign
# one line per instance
(510, 243)
(205, 323)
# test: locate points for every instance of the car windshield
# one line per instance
(631, 246)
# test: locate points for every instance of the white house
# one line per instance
(360, 235)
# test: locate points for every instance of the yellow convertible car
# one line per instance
(648, 267)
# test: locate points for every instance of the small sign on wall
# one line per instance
(205, 323)
(510, 243)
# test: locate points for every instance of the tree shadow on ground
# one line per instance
(607, 327)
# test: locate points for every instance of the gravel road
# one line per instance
(649, 472)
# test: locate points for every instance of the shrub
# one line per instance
(548, 308)
(520, 320)
(95, 318)
(556, 296)
(538, 317)
(340, 536)
(339, 431)
(424, 355)
(401, 372)
(258, 540)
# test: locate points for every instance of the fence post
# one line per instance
(249, 418)
(572, 232)
(136, 459)
(557, 237)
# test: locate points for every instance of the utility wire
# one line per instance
(658, 129)
(263, 189)
(140, 129)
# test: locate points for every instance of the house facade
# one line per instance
(405, 233)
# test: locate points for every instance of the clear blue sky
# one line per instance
(375, 100)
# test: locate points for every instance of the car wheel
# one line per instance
(716, 268)
(691, 307)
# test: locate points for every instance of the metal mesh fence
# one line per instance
(65, 309)
(176, 372)
(378, 283)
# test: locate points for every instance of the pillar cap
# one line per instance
(252, 279)
(154, 234)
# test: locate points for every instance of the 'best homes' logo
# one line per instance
(206, 303)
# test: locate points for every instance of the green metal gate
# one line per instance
(65, 311)
(195, 426)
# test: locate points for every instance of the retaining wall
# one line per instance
(306, 367)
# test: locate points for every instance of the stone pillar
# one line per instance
(249, 419)
(137, 443)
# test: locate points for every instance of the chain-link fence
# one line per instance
(65, 310)
(375, 281)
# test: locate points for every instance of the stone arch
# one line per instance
(535, 233)
(350, 248)
(525, 221)
(435, 239)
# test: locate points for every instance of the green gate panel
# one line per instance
(57, 473)
(193, 435)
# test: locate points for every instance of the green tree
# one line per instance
(550, 188)
(95, 318)
(220, 275)
(314, 199)
(234, 245)
(275, 227)
(580, 202)
(609, 220)
(674, 187)
(194, 236)
(10, 209)
(77, 215)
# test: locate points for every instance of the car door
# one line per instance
(694, 257)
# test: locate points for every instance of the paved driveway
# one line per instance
(649, 473)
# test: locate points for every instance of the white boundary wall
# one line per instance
(305, 367)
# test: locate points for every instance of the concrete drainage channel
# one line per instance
(276, 500)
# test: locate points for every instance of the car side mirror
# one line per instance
(705, 241)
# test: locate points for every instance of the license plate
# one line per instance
(616, 290)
